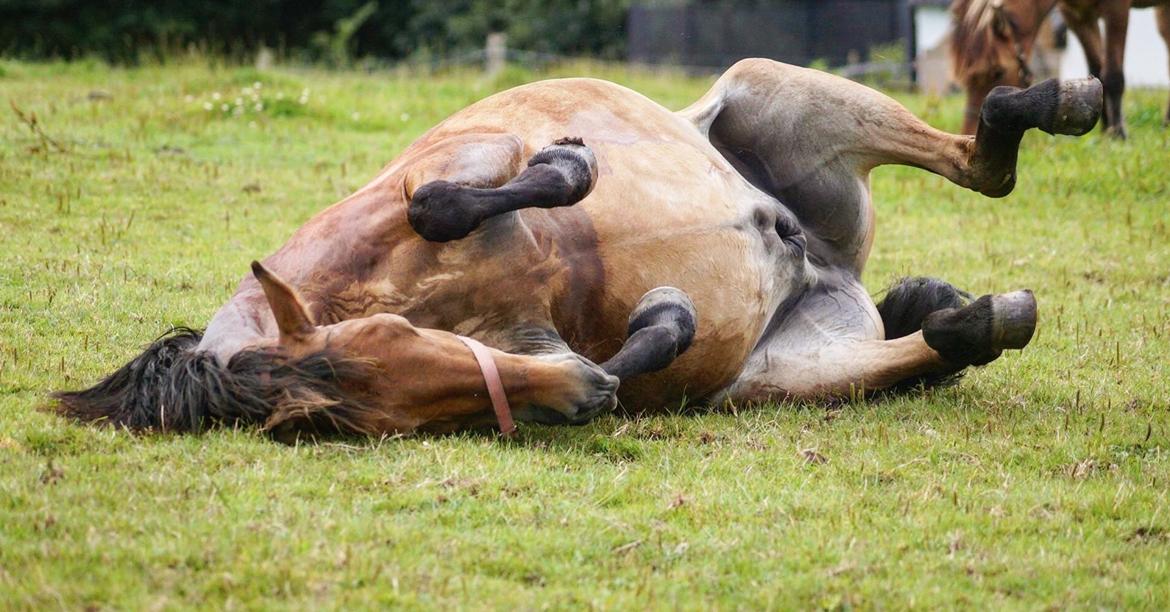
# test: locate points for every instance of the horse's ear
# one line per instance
(1000, 25)
(291, 315)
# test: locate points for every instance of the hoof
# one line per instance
(666, 306)
(1069, 107)
(978, 333)
(1078, 107)
(440, 212)
(1013, 320)
(1117, 132)
(661, 327)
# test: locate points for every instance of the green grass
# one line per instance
(1041, 481)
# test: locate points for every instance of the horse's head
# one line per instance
(990, 45)
(423, 378)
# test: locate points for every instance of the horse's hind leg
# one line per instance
(815, 355)
(445, 208)
(793, 125)
(810, 139)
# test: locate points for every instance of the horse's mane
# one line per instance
(172, 386)
(972, 49)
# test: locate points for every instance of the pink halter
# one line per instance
(495, 386)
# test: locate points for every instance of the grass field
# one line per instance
(1041, 481)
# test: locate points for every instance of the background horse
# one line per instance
(735, 230)
(992, 41)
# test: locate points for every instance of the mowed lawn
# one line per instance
(141, 196)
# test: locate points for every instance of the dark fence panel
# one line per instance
(797, 32)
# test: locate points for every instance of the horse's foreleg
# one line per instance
(561, 174)
(1162, 14)
(1116, 16)
(661, 328)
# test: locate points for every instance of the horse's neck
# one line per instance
(1033, 13)
(244, 322)
(1043, 9)
(333, 250)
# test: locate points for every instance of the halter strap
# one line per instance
(495, 386)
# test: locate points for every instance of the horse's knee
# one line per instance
(978, 333)
(908, 302)
(661, 327)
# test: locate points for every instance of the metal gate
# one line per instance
(796, 32)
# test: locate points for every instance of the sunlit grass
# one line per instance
(1040, 481)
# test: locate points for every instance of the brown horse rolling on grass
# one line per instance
(992, 42)
(713, 254)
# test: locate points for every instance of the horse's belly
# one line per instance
(670, 214)
(667, 209)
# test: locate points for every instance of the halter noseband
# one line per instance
(495, 386)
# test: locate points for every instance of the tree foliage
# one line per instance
(330, 30)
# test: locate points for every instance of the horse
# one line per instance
(610, 252)
(992, 40)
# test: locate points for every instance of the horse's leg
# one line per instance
(1083, 21)
(829, 344)
(1116, 15)
(445, 207)
(1162, 14)
(853, 123)
(811, 138)
(661, 328)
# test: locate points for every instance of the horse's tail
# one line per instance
(172, 386)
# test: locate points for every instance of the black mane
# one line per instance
(173, 387)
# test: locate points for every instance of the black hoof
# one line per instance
(1070, 107)
(1013, 320)
(978, 333)
(1117, 132)
(668, 307)
(662, 327)
(439, 212)
(1078, 107)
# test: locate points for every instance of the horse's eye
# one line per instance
(997, 74)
